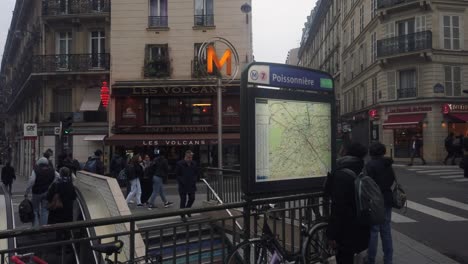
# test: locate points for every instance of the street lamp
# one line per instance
(246, 9)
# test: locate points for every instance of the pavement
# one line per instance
(406, 250)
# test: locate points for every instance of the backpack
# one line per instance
(90, 165)
(370, 207)
(122, 177)
(25, 211)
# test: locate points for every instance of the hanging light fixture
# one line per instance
(443, 123)
(105, 94)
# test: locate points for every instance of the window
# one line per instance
(451, 32)
(361, 18)
(374, 90)
(391, 85)
(63, 49)
(352, 30)
(373, 47)
(373, 8)
(179, 111)
(407, 88)
(420, 23)
(362, 56)
(157, 13)
(362, 96)
(62, 100)
(64, 6)
(352, 62)
(97, 48)
(157, 61)
(452, 80)
(204, 13)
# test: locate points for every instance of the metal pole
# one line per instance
(220, 135)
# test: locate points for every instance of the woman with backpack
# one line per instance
(379, 168)
(61, 196)
(134, 172)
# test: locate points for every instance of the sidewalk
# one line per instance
(406, 250)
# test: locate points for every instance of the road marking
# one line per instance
(440, 171)
(444, 173)
(398, 218)
(461, 180)
(451, 177)
(434, 212)
(451, 203)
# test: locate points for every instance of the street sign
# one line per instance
(57, 130)
(30, 131)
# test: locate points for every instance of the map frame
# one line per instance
(251, 90)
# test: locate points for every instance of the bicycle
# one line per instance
(115, 247)
(267, 249)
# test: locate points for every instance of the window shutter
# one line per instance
(391, 85)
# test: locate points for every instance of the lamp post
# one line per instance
(246, 9)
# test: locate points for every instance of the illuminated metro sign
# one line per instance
(208, 58)
(213, 58)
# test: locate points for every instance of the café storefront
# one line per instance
(176, 116)
(456, 119)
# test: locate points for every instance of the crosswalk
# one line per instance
(448, 173)
(399, 218)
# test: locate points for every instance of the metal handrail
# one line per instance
(221, 202)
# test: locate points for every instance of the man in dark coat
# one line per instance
(187, 174)
(416, 146)
(448, 143)
(8, 176)
(345, 233)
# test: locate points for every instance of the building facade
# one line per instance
(404, 65)
(162, 99)
(55, 60)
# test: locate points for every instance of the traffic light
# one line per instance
(66, 126)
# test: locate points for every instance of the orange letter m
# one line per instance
(212, 57)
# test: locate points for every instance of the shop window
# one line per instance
(179, 111)
(402, 141)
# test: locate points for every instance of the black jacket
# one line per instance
(343, 225)
(162, 167)
(8, 174)
(67, 193)
(187, 175)
(45, 176)
(134, 171)
(380, 169)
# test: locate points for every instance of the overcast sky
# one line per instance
(277, 27)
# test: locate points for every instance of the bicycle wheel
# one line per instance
(253, 251)
(316, 248)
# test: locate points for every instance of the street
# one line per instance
(437, 213)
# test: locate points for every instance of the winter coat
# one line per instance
(162, 167)
(343, 227)
(187, 175)
(380, 169)
(117, 164)
(8, 175)
(67, 193)
(45, 176)
(134, 171)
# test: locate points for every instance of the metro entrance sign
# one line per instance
(288, 129)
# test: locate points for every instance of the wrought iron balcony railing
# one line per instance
(157, 68)
(157, 21)
(204, 20)
(67, 7)
(71, 62)
(390, 3)
(198, 72)
(404, 44)
(407, 92)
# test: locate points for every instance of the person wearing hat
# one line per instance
(41, 178)
(187, 174)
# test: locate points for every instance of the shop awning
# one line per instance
(171, 139)
(459, 116)
(403, 121)
(94, 138)
(91, 100)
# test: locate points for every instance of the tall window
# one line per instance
(97, 48)
(452, 80)
(361, 18)
(407, 86)
(352, 30)
(204, 13)
(391, 85)
(373, 8)
(63, 45)
(451, 32)
(373, 47)
(157, 61)
(374, 90)
(158, 13)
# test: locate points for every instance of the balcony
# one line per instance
(198, 72)
(407, 93)
(157, 22)
(400, 45)
(204, 21)
(74, 7)
(71, 63)
(391, 3)
(157, 68)
(79, 117)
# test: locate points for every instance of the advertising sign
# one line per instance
(287, 131)
(30, 131)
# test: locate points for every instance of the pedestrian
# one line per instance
(416, 150)
(94, 163)
(8, 176)
(75, 164)
(118, 163)
(464, 161)
(449, 147)
(345, 233)
(379, 168)
(160, 170)
(41, 178)
(147, 180)
(48, 155)
(66, 191)
(187, 174)
(458, 147)
(345, 141)
(134, 173)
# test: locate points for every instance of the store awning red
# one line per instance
(459, 116)
(403, 121)
(171, 139)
